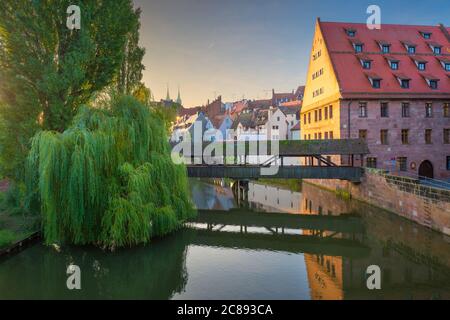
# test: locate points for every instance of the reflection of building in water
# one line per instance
(414, 262)
(273, 199)
(324, 277)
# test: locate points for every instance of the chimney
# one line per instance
(445, 31)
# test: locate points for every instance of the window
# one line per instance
(405, 110)
(358, 48)
(411, 49)
(421, 66)
(278, 119)
(384, 137)
(428, 136)
(371, 162)
(315, 116)
(402, 163)
(326, 135)
(367, 64)
(404, 83)
(446, 136)
(428, 110)
(433, 84)
(437, 50)
(426, 35)
(363, 134)
(331, 135)
(394, 65)
(447, 67)
(351, 32)
(331, 111)
(385, 48)
(326, 113)
(446, 110)
(384, 109)
(320, 114)
(405, 136)
(275, 127)
(376, 83)
(309, 117)
(320, 135)
(363, 109)
(304, 119)
(448, 162)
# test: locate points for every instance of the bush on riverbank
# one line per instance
(108, 179)
(6, 238)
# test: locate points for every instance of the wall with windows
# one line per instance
(401, 134)
(322, 89)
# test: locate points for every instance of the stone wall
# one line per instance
(404, 196)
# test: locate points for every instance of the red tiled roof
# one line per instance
(352, 77)
(295, 103)
(296, 127)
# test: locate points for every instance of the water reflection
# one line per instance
(279, 244)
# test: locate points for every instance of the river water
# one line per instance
(278, 244)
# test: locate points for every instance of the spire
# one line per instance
(168, 94)
(179, 97)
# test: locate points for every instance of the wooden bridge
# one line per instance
(315, 157)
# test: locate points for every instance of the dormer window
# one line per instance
(431, 80)
(435, 47)
(393, 62)
(447, 66)
(426, 35)
(421, 66)
(351, 32)
(405, 83)
(410, 47)
(357, 45)
(394, 65)
(366, 62)
(403, 80)
(384, 46)
(420, 63)
(375, 80)
(433, 84)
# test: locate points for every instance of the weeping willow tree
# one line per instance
(108, 179)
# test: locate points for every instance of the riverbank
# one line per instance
(15, 228)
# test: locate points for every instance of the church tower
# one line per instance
(168, 94)
(179, 97)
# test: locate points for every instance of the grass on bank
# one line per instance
(16, 223)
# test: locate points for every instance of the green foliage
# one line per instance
(343, 194)
(47, 71)
(6, 238)
(130, 71)
(108, 179)
(167, 113)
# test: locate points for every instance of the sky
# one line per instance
(245, 48)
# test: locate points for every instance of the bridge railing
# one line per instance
(264, 153)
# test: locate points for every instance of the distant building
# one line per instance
(295, 132)
(390, 87)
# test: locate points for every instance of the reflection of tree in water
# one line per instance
(157, 271)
